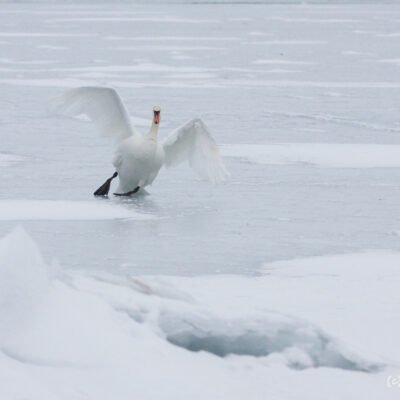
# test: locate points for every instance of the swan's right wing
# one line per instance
(102, 105)
(193, 142)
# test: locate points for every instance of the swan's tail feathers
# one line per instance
(105, 187)
(101, 105)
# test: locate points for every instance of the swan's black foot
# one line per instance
(105, 187)
(128, 193)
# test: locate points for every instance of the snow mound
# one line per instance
(24, 279)
(329, 155)
(177, 317)
(45, 322)
(109, 336)
(17, 210)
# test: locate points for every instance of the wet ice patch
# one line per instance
(19, 210)
(318, 154)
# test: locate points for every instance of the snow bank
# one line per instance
(106, 336)
(329, 155)
(23, 281)
(353, 296)
(17, 210)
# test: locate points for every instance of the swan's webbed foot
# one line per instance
(105, 187)
(128, 193)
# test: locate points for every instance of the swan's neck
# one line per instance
(153, 131)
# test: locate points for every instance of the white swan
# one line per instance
(138, 158)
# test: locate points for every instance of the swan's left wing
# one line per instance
(193, 142)
(102, 105)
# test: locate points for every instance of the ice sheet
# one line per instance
(340, 95)
(318, 154)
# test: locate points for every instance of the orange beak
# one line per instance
(156, 118)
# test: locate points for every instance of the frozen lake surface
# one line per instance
(308, 75)
(288, 272)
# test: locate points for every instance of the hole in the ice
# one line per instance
(297, 344)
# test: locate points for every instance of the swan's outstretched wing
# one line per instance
(102, 105)
(192, 142)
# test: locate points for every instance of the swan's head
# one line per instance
(156, 112)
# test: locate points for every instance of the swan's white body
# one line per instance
(138, 158)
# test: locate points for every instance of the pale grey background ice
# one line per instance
(256, 74)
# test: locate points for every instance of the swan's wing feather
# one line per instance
(102, 105)
(193, 142)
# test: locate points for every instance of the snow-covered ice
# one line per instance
(319, 154)
(68, 335)
(15, 210)
(281, 283)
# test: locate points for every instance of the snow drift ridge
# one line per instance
(115, 323)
